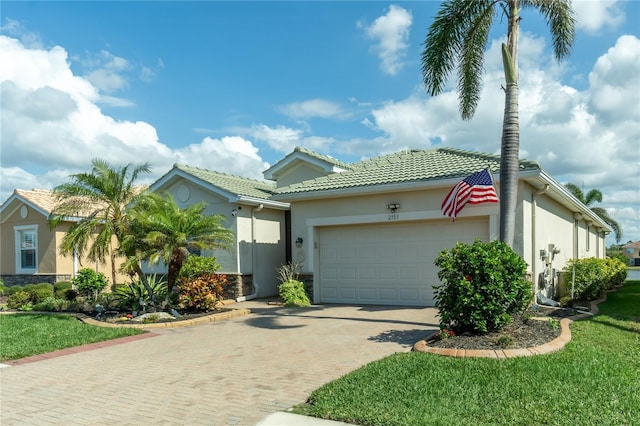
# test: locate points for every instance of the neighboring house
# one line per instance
(632, 252)
(258, 222)
(369, 232)
(29, 247)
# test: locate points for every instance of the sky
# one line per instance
(235, 86)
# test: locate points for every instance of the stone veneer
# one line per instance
(23, 279)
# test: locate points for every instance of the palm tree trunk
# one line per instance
(112, 256)
(509, 165)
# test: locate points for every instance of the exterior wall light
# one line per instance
(299, 242)
(393, 207)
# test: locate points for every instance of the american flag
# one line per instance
(475, 189)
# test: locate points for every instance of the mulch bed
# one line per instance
(517, 335)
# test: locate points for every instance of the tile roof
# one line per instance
(233, 184)
(635, 244)
(405, 166)
(41, 198)
(324, 158)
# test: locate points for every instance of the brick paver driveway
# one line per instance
(231, 372)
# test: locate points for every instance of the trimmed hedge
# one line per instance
(593, 276)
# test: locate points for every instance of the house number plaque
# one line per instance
(393, 216)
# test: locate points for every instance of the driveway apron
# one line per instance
(230, 372)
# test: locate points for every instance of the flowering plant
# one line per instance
(445, 333)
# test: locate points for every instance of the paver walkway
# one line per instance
(232, 372)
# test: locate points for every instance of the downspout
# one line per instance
(534, 256)
(254, 257)
(75, 263)
(576, 229)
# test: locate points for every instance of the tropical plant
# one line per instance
(196, 266)
(483, 287)
(201, 293)
(595, 195)
(89, 283)
(162, 231)
(135, 294)
(99, 200)
(459, 35)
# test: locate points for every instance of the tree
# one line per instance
(100, 199)
(161, 230)
(595, 195)
(459, 35)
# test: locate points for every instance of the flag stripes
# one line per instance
(475, 189)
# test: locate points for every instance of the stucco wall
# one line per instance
(297, 173)
(414, 205)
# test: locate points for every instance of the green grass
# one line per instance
(595, 380)
(23, 335)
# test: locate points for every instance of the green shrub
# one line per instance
(13, 289)
(3, 288)
(89, 283)
(19, 300)
(197, 266)
(201, 293)
(293, 293)
(129, 295)
(60, 289)
(39, 292)
(483, 287)
(51, 304)
(593, 276)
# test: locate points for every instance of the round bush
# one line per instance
(293, 293)
(483, 287)
(18, 300)
(89, 282)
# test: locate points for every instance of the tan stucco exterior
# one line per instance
(51, 265)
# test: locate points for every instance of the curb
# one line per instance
(228, 313)
(553, 346)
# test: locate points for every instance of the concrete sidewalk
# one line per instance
(238, 371)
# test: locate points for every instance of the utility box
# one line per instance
(564, 284)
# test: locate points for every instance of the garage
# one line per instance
(388, 263)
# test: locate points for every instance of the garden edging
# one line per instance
(553, 346)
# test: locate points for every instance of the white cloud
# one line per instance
(592, 16)
(284, 139)
(52, 127)
(589, 137)
(107, 71)
(313, 108)
(390, 34)
(231, 154)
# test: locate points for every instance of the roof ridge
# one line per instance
(229, 175)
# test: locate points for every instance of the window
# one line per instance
(630, 251)
(26, 249)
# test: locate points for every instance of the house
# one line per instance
(631, 251)
(29, 247)
(369, 232)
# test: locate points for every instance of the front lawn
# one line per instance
(594, 380)
(23, 335)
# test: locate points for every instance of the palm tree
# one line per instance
(100, 200)
(459, 35)
(161, 230)
(595, 195)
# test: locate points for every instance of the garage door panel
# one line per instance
(388, 263)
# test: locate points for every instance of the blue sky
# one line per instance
(235, 86)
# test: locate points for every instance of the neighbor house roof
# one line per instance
(635, 244)
(404, 167)
(41, 200)
(232, 184)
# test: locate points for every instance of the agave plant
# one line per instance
(134, 295)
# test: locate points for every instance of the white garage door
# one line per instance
(388, 264)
